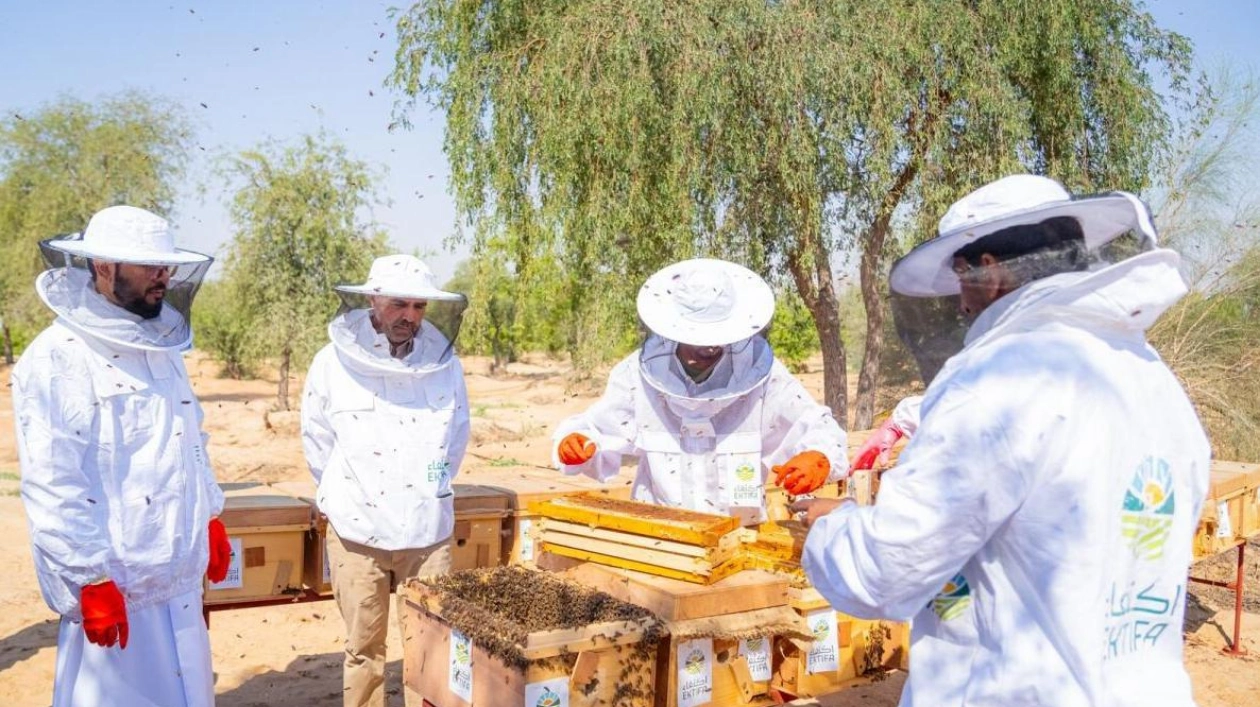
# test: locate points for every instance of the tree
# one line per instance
(616, 137)
(298, 234)
(64, 162)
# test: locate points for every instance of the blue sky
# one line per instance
(280, 68)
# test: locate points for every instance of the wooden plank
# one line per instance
(614, 548)
(543, 644)
(642, 518)
(725, 548)
(676, 600)
(265, 510)
(718, 571)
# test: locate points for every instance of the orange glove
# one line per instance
(220, 552)
(804, 473)
(104, 614)
(575, 449)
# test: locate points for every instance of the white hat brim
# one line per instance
(928, 269)
(422, 293)
(126, 255)
(751, 312)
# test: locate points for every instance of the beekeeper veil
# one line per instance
(702, 310)
(146, 300)
(1018, 231)
(398, 279)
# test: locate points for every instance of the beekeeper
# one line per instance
(704, 405)
(1058, 465)
(117, 487)
(384, 427)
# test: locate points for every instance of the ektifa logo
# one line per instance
(548, 699)
(461, 653)
(754, 644)
(695, 663)
(1146, 520)
(744, 472)
(953, 599)
(821, 629)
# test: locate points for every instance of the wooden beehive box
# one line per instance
(1231, 512)
(726, 629)
(469, 646)
(267, 533)
(480, 515)
(670, 542)
(845, 650)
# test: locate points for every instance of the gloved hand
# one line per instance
(104, 614)
(875, 449)
(575, 448)
(220, 552)
(804, 473)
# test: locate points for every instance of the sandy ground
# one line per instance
(281, 656)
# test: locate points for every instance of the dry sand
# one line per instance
(280, 656)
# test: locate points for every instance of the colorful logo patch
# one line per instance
(745, 472)
(821, 629)
(754, 644)
(548, 699)
(461, 653)
(1147, 518)
(695, 663)
(953, 599)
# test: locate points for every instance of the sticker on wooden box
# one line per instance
(327, 572)
(824, 652)
(548, 693)
(461, 666)
(695, 672)
(1223, 528)
(756, 652)
(525, 541)
(234, 578)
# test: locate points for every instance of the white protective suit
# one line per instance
(706, 447)
(117, 485)
(384, 437)
(1061, 468)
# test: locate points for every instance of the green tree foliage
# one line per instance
(64, 162)
(299, 232)
(610, 138)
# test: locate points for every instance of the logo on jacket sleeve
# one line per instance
(1147, 518)
(953, 599)
(439, 470)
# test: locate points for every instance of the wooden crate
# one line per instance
(480, 516)
(703, 621)
(267, 533)
(581, 667)
(858, 647)
(1231, 513)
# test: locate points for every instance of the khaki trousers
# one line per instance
(362, 579)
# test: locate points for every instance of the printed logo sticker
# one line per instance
(695, 672)
(235, 578)
(548, 693)
(824, 652)
(746, 488)
(953, 599)
(460, 681)
(1149, 502)
(756, 652)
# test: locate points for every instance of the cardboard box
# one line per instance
(267, 533)
(581, 667)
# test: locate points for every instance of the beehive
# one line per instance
(267, 533)
(670, 542)
(514, 636)
(1231, 513)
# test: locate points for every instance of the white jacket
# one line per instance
(706, 447)
(384, 437)
(1061, 468)
(115, 475)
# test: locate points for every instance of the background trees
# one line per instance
(600, 140)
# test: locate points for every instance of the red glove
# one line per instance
(804, 473)
(220, 552)
(104, 614)
(875, 449)
(575, 449)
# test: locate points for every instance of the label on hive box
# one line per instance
(1223, 529)
(460, 681)
(744, 479)
(548, 693)
(757, 652)
(233, 580)
(824, 652)
(695, 672)
(525, 542)
(327, 572)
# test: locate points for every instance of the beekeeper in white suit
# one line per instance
(384, 427)
(704, 405)
(117, 486)
(1058, 466)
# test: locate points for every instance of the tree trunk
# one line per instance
(873, 303)
(811, 270)
(8, 345)
(282, 393)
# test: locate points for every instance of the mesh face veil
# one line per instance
(433, 344)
